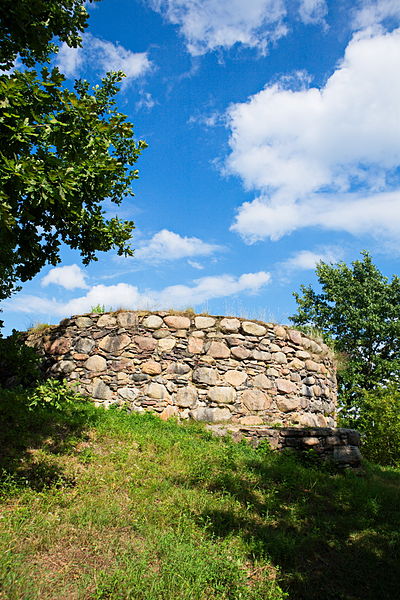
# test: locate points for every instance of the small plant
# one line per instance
(99, 309)
(54, 394)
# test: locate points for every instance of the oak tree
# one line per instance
(63, 151)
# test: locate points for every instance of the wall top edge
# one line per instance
(276, 327)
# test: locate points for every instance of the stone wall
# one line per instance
(215, 369)
(340, 445)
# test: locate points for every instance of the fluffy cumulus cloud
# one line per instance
(167, 245)
(102, 56)
(323, 156)
(69, 277)
(124, 295)
(212, 24)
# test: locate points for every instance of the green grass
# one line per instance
(105, 505)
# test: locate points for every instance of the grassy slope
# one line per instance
(105, 505)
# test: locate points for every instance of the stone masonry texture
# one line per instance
(216, 369)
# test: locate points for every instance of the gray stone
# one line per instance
(127, 319)
(287, 404)
(106, 321)
(222, 395)
(229, 325)
(152, 322)
(83, 322)
(178, 368)
(206, 375)
(285, 386)
(349, 455)
(311, 441)
(177, 322)
(65, 367)
(235, 378)
(96, 363)
(253, 328)
(312, 366)
(84, 345)
(128, 393)
(100, 390)
(61, 345)
(158, 334)
(271, 372)
(279, 357)
(145, 343)
(218, 350)
(211, 415)
(123, 364)
(255, 399)
(204, 322)
(250, 420)
(166, 344)
(114, 343)
(240, 352)
(158, 391)
(259, 355)
(186, 397)
(280, 332)
(296, 364)
(261, 381)
(295, 336)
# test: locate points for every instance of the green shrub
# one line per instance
(378, 419)
(19, 364)
(53, 394)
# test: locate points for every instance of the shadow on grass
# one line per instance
(334, 536)
(31, 440)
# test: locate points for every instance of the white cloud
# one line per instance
(195, 265)
(166, 245)
(377, 214)
(303, 149)
(102, 56)
(146, 101)
(129, 296)
(307, 259)
(69, 277)
(374, 12)
(212, 24)
(312, 11)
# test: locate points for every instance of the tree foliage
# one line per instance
(27, 28)
(379, 421)
(62, 152)
(359, 308)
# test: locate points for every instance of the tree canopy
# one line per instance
(28, 27)
(359, 309)
(62, 152)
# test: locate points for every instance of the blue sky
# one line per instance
(274, 142)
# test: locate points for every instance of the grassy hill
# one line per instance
(101, 504)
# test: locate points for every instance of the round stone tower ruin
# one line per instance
(208, 368)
